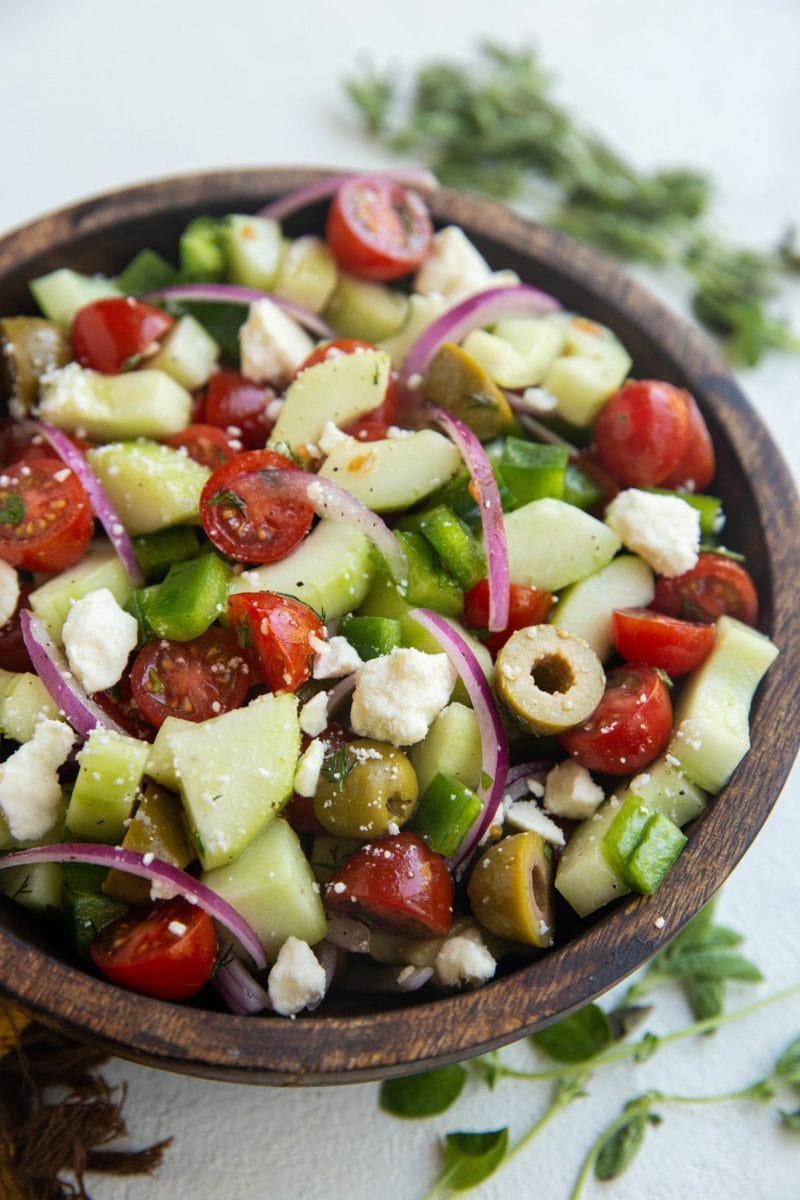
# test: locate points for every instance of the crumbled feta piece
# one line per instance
(98, 637)
(272, 345)
(526, 815)
(297, 978)
(334, 658)
(464, 960)
(570, 791)
(314, 714)
(306, 776)
(30, 792)
(9, 591)
(398, 695)
(663, 530)
(331, 437)
(455, 269)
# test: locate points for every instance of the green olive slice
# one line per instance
(549, 677)
(29, 346)
(510, 890)
(456, 382)
(366, 789)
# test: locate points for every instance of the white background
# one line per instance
(93, 95)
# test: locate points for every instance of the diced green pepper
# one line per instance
(157, 552)
(580, 489)
(445, 812)
(533, 470)
(656, 851)
(138, 606)
(193, 595)
(429, 585)
(623, 834)
(455, 545)
(201, 255)
(372, 637)
(85, 914)
(457, 494)
(147, 272)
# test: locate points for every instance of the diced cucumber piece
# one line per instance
(109, 779)
(61, 293)
(419, 313)
(371, 637)
(142, 403)
(451, 746)
(200, 251)
(160, 766)
(358, 308)
(147, 272)
(657, 849)
(331, 571)
(273, 886)
(585, 608)
(532, 470)
(193, 595)
(591, 366)
(25, 702)
(393, 473)
(99, 568)
(308, 273)
(36, 886)
(552, 544)
(156, 552)
(234, 773)
(663, 787)
(252, 247)
(188, 354)
(149, 484)
(445, 812)
(712, 717)
(518, 351)
(338, 390)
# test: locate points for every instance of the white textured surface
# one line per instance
(92, 97)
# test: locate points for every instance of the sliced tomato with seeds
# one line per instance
(206, 444)
(377, 229)
(240, 407)
(167, 951)
(192, 680)
(528, 605)
(109, 333)
(715, 586)
(630, 726)
(46, 519)
(252, 510)
(120, 705)
(276, 631)
(675, 646)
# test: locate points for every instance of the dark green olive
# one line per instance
(29, 346)
(511, 890)
(365, 789)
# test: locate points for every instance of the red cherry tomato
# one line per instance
(716, 585)
(642, 431)
(396, 882)
(24, 439)
(527, 606)
(644, 636)
(233, 402)
(697, 465)
(122, 708)
(276, 633)
(333, 349)
(13, 653)
(46, 519)
(376, 229)
(192, 680)
(206, 444)
(251, 509)
(167, 951)
(109, 333)
(630, 726)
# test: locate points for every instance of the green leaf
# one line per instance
(469, 1158)
(12, 510)
(620, 1148)
(791, 1120)
(706, 997)
(712, 962)
(423, 1095)
(578, 1037)
(788, 1065)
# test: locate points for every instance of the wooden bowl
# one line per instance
(352, 1038)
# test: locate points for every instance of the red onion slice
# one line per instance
(157, 871)
(322, 189)
(483, 308)
(488, 497)
(494, 745)
(230, 293)
(346, 933)
(243, 994)
(102, 507)
(52, 668)
(336, 504)
(338, 694)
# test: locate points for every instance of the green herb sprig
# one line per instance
(495, 127)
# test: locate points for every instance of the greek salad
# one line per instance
(362, 614)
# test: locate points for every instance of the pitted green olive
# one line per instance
(549, 677)
(366, 789)
(511, 890)
(29, 346)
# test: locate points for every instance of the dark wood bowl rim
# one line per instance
(334, 1049)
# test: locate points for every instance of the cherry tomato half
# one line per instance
(716, 585)
(644, 636)
(13, 652)
(275, 632)
(252, 511)
(396, 882)
(109, 333)
(528, 605)
(233, 402)
(46, 519)
(192, 680)
(167, 951)
(630, 726)
(206, 444)
(377, 229)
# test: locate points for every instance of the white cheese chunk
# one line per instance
(570, 791)
(334, 658)
(398, 695)
(306, 776)
(454, 268)
(272, 345)
(9, 591)
(314, 714)
(30, 792)
(663, 530)
(297, 978)
(526, 815)
(464, 960)
(331, 437)
(98, 638)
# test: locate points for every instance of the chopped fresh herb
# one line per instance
(337, 765)
(228, 499)
(12, 510)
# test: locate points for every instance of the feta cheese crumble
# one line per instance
(464, 960)
(297, 978)
(9, 591)
(334, 658)
(398, 695)
(30, 792)
(306, 776)
(98, 638)
(454, 268)
(570, 791)
(526, 815)
(314, 715)
(272, 345)
(663, 530)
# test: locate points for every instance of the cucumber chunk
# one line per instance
(25, 701)
(252, 247)
(62, 292)
(518, 351)
(36, 886)
(338, 390)
(109, 779)
(307, 274)
(452, 746)
(359, 308)
(585, 608)
(188, 354)
(552, 544)
(143, 403)
(393, 473)
(99, 568)
(150, 485)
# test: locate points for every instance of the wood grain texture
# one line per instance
(351, 1040)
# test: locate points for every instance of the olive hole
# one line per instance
(397, 806)
(540, 896)
(553, 673)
